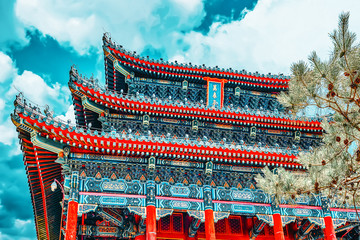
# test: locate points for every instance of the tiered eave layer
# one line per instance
(131, 145)
(83, 88)
(145, 67)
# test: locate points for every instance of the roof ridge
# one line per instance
(279, 78)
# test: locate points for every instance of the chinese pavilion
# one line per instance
(168, 150)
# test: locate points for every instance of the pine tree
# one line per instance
(333, 168)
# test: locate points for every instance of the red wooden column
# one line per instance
(83, 224)
(72, 211)
(278, 228)
(209, 225)
(71, 222)
(329, 228)
(208, 205)
(151, 201)
(150, 222)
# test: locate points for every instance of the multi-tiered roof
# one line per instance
(156, 108)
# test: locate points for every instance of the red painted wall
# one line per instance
(177, 225)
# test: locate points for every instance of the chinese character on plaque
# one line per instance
(215, 91)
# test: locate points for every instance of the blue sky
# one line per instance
(41, 39)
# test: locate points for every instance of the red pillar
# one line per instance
(329, 228)
(83, 224)
(209, 225)
(278, 229)
(71, 222)
(150, 223)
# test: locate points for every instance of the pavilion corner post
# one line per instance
(278, 225)
(329, 230)
(150, 223)
(151, 201)
(209, 214)
(208, 204)
(209, 225)
(278, 228)
(72, 209)
(71, 222)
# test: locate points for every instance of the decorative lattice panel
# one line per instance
(165, 223)
(220, 226)
(177, 223)
(235, 225)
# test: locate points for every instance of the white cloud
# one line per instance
(2, 104)
(189, 5)
(30, 84)
(7, 237)
(7, 68)
(8, 133)
(34, 88)
(12, 30)
(69, 115)
(269, 38)
(22, 223)
(81, 24)
(272, 36)
(21, 228)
